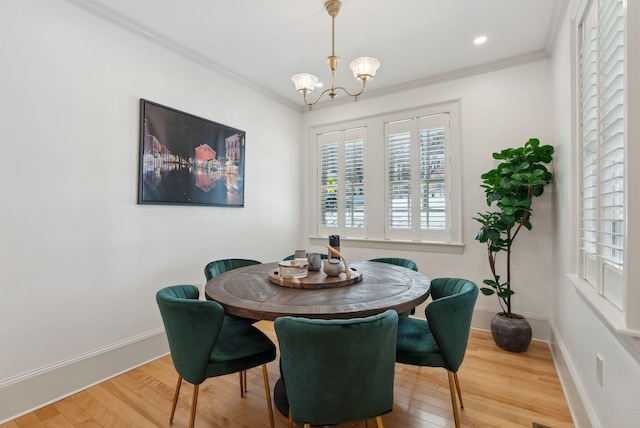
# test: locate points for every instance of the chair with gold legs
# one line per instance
(441, 339)
(218, 267)
(202, 345)
(338, 371)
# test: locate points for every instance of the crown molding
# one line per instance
(475, 70)
(146, 33)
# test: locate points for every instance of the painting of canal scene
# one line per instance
(188, 160)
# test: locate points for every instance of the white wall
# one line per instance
(579, 332)
(499, 109)
(80, 260)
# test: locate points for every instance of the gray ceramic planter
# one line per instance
(511, 334)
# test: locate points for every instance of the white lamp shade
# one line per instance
(364, 66)
(304, 82)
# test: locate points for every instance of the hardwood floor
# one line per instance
(499, 389)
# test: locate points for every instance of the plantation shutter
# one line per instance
(601, 71)
(432, 174)
(417, 178)
(354, 178)
(342, 182)
(399, 191)
(328, 145)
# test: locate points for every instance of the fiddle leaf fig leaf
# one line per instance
(487, 291)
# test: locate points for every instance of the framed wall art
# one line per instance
(188, 160)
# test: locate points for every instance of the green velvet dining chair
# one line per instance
(338, 370)
(218, 267)
(441, 339)
(202, 345)
(399, 261)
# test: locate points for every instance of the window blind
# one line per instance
(342, 181)
(329, 179)
(601, 73)
(354, 178)
(399, 169)
(432, 177)
(417, 177)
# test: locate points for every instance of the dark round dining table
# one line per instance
(248, 292)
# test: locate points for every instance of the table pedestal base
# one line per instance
(280, 398)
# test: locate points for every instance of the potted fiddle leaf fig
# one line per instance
(510, 189)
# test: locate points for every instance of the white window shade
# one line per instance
(329, 168)
(399, 170)
(602, 140)
(417, 164)
(433, 189)
(342, 183)
(354, 178)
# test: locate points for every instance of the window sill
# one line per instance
(610, 314)
(432, 247)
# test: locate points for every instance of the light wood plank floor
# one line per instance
(499, 389)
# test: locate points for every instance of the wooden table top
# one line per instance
(247, 292)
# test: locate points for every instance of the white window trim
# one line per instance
(626, 321)
(374, 236)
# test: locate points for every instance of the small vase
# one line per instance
(332, 267)
(511, 334)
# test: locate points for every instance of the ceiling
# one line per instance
(263, 43)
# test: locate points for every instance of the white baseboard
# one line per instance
(31, 391)
(581, 411)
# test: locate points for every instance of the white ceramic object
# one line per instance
(332, 267)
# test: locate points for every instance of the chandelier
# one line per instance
(364, 68)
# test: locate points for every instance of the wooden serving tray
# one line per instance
(316, 279)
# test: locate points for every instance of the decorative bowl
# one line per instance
(292, 269)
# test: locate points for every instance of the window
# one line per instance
(342, 181)
(389, 178)
(601, 134)
(416, 186)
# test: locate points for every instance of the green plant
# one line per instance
(510, 187)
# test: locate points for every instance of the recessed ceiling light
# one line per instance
(480, 40)
(319, 85)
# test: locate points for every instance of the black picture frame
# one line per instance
(189, 160)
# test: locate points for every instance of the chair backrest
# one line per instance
(449, 316)
(192, 328)
(338, 370)
(216, 267)
(409, 264)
